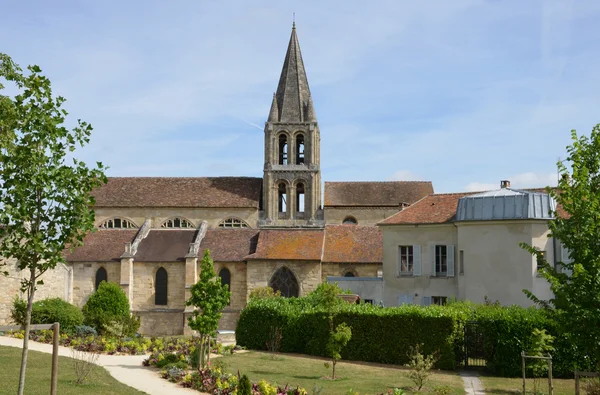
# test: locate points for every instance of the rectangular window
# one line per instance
(405, 259)
(537, 265)
(462, 262)
(439, 300)
(441, 260)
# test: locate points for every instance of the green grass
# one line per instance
(502, 385)
(37, 381)
(306, 371)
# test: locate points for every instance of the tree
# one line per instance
(209, 297)
(46, 202)
(337, 341)
(576, 282)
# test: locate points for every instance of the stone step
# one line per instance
(226, 337)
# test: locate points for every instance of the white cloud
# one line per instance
(405, 175)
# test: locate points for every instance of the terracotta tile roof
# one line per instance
(169, 245)
(229, 245)
(433, 209)
(289, 244)
(103, 245)
(375, 194)
(179, 192)
(353, 244)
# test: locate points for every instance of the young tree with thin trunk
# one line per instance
(45, 201)
(575, 283)
(209, 297)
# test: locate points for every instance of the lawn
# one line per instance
(39, 366)
(501, 385)
(307, 372)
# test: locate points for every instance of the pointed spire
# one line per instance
(310, 111)
(274, 113)
(292, 92)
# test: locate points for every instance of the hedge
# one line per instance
(48, 311)
(385, 335)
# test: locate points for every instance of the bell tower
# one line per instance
(292, 174)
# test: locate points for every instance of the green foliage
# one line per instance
(337, 341)
(167, 360)
(420, 366)
(326, 296)
(48, 311)
(541, 345)
(107, 310)
(264, 293)
(442, 390)
(244, 386)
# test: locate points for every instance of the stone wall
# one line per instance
(161, 323)
(57, 284)
(84, 278)
(308, 274)
(358, 269)
(144, 276)
(366, 216)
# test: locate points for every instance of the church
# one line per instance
(275, 230)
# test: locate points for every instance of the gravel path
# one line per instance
(127, 369)
(473, 386)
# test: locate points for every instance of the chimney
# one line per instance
(504, 184)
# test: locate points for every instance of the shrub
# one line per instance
(420, 366)
(264, 293)
(108, 305)
(166, 360)
(85, 330)
(244, 387)
(48, 311)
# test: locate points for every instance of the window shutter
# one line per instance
(398, 271)
(426, 300)
(432, 252)
(416, 260)
(450, 260)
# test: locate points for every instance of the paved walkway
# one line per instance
(473, 386)
(127, 369)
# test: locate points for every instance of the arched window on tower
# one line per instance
(300, 149)
(161, 287)
(350, 221)
(283, 150)
(283, 280)
(300, 197)
(282, 206)
(100, 276)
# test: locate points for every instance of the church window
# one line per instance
(300, 198)
(233, 223)
(350, 221)
(282, 189)
(100, 276)
(160, 287)
(177, 223)
(283, 280)
(118, 223)
(349, 274)
(225, 275)
(300, 149)
(283, 150)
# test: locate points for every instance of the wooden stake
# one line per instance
(55, 358)
(523, 363)
(550, 387)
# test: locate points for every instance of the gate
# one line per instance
(474, 348)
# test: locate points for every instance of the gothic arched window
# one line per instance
(161, 287)
(100, 276)
(300, 197)
(282, 190)
(283, 280)
(300, 149)
(233, 223)
(177, 223)
(349, 274)
(283, 149)
(350, 221)
(225, 275)
(118, 223)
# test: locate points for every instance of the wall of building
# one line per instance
(308, 274)
(416, 286)
(161, 323)
(158, 215)
(84, 278)
(368, 288)
(144, 277)
(366, 216)
(358, 269)
(239, 293)
(495, 265)
(57, 284)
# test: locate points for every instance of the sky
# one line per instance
(463, 93)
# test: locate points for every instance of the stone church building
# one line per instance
(275, 230)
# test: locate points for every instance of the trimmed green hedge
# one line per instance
(385, 335)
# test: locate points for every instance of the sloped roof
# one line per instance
(169, 245)
(353, 244)
(375, 194)
(289, 244)
(179, 192)
(229, 245)
(433, 209)
(102, 245)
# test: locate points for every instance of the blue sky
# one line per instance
(462, 93)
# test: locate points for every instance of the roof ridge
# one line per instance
(378, 182)
(179, 177)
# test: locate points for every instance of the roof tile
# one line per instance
(375, 194)
(102, 245)
(289, 245)
(353, 244)
(229, 245)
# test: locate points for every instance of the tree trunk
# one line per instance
(200, 351)
(333, 373)
(209, 349)
(30, 294)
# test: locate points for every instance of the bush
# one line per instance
(48, 311)
(84, 330)
(264, 293)
(107, 307)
